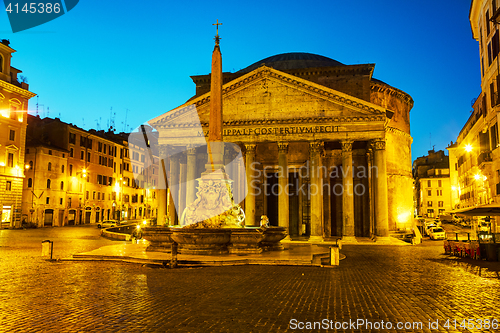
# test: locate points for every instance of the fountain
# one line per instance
(214, 224)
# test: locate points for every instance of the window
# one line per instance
(71, 152)
(429, 203)
(30, 182)
(87, 195)
(98, 195)
(12, 135)
(10, 160)
(8, 186)
(50, 152)
(82, 155)
(62, 168)
(47, 200)
(93, 195)
(72, 139)
(49, 167)
(62, 185)
(487, 22)
(439, 182)
(71, 169)
(61, 201)
(31, 165)
(440, 203)
(428, 183)
(439, 193)
(429, 193)
(88, 157)
(48, 183)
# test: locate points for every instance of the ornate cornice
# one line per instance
(381, 87)
(310, 120)
(399, 132)
(10, 87)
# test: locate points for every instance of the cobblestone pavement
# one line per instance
(408, 284)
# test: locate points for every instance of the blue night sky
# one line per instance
(138, 55)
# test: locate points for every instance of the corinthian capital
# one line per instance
(347, 145)
(250, 148)
(283, 147)
(315, 146)
(379, 144)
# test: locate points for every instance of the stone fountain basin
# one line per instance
(247, 240)
(201, 241)
(160, 238)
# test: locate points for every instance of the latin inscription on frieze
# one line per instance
(291, 130)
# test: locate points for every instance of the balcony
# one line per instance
(484, 157)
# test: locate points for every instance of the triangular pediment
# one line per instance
(11, 147)
(267, 94)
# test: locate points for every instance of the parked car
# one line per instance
(437, 233)
(429, 226)
(108, 224)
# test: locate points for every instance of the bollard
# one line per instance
(334, 255)
(47, 248)
(173, 257)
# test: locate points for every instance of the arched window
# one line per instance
(30, 182)
(31, 165)
(50, 166)
(62, 185)
(62, 168)
(48, 183)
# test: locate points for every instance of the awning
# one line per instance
(484, 210)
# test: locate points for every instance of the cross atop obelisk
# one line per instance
(217, 38)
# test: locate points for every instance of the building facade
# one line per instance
(14, 96)
(475, 157)
(75, 176)
(432, 190)
(343, 137)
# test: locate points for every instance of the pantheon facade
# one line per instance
(342, 136)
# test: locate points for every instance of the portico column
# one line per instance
(381, 201)
(316, 191)
(174, 189)
(283, 199)
(191, 175)
(251, 183)
(162, 188)
(347, 191)
(182, 185)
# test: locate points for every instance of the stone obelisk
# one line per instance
(215, 140)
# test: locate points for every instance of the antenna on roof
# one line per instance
(111, 125)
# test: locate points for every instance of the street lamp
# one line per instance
(468, 147)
